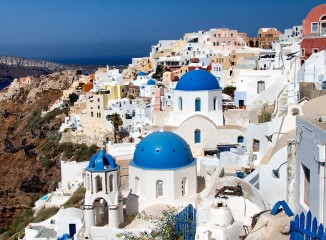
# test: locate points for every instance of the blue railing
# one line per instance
(186, 222)
(302, 228)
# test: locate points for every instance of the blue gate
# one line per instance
(186, 222)
(301, 228)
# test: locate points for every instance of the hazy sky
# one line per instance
(100, 31)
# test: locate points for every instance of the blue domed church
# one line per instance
(198, 108)
(162, 170)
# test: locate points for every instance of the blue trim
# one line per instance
(277, 208)
(102, 162)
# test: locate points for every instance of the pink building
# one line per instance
(223, 38)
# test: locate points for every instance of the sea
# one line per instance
(3, 85)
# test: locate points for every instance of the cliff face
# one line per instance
(24, 62)
(24, 178)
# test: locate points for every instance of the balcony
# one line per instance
(313, 35)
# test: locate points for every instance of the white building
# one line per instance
(103, 199)
(148, 89)
(162, 171)
(105, 76)
(310, 168)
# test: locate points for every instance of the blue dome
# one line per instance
(141, 74)
(162, 150)
(101, 162)
(197, 80)
(151, 82)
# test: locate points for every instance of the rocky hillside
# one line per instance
(25, 62)
(30, 152)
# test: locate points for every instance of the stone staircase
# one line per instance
(281, 103)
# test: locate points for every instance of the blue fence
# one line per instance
(186, 222)
(302, 228)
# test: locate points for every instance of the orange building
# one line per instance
(313, 32)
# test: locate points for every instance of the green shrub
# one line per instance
(45, 214)
(46, 163)
(75, 198)
(20, 222)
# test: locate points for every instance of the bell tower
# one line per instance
(103, 199)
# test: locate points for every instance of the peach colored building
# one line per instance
(266, 36)
(224, 38)
(313, 32)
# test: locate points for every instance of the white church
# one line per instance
(197, 114)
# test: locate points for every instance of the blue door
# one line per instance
(72, 230)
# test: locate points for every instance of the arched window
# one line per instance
(89, 187)
(184, 186)
(197, 105)
(180, 103)
(197, 136)
(137, 185)
(98, 181)
(159, 188)
(111, 183)
(214, 103)
(240, 139)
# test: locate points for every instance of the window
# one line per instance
(92, 114)
(122, 90)
(323, 27)
(197, 105)
(111, 183)
(302, 52)
(255, 145)
(214, 104)
(260, 86)
(197, 136)
(98, 107)
(137, 185)
(159, 188)
(99, 115)
(240, 139)
(98, 100)
(180, 103)
(314, 27)
(315, 50)
(306, 184)
(184, 186)
(98, 181)
(89, 187)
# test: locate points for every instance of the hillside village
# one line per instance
(227, 127)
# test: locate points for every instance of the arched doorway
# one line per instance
(101, 212)
(251, 43)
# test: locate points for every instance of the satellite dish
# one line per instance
(321, 77)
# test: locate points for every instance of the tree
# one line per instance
(73, 97)
(159, 72)
(116, 122)
(229, 90)
(165, 227)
